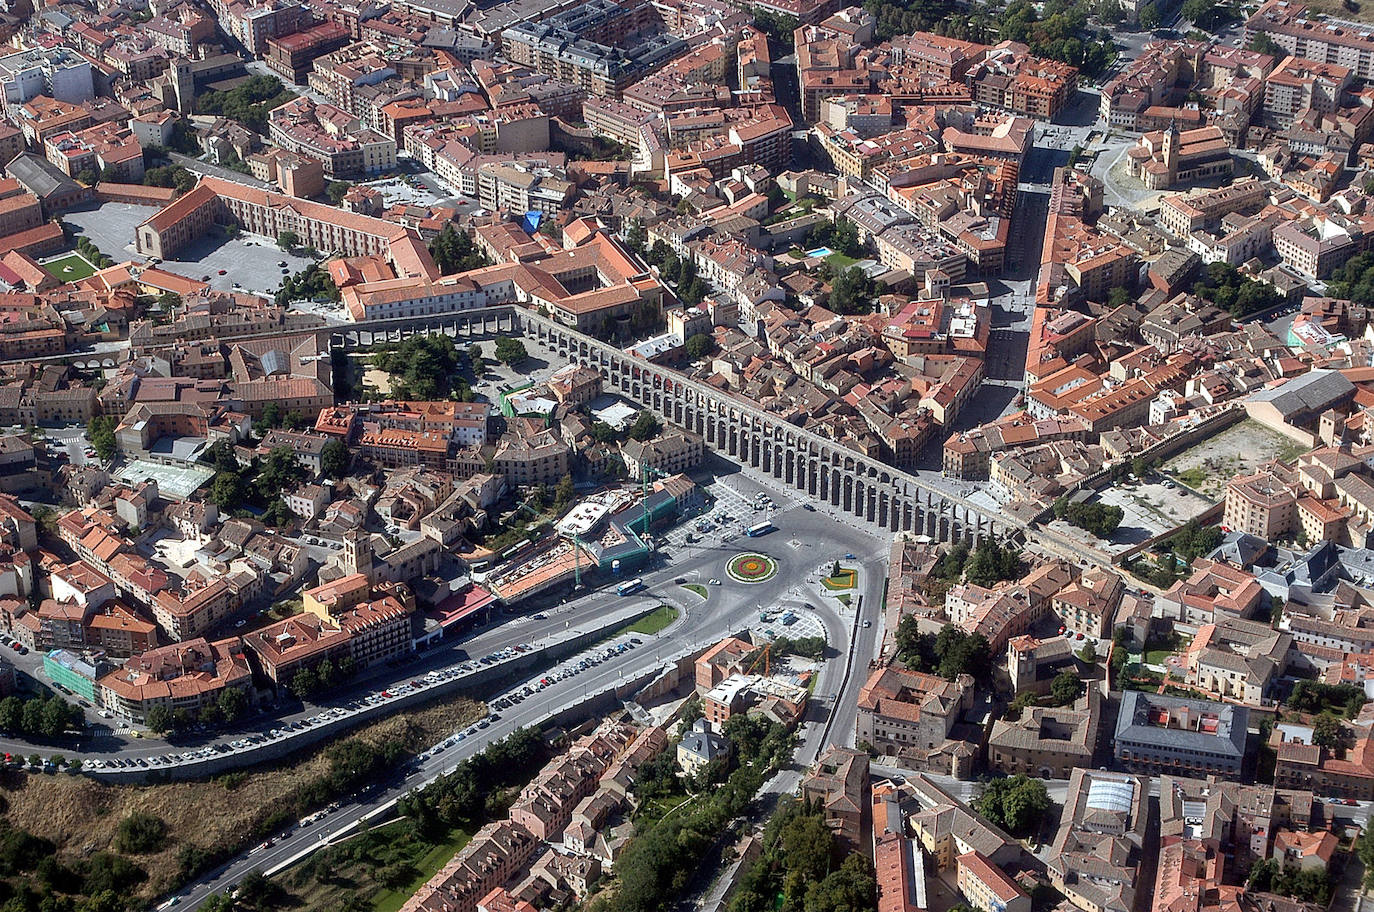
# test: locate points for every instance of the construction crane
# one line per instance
(644, 470)
(761, 657)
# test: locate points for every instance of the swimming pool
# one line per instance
(820, 252)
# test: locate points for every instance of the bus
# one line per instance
(762, 528)
(630, 586)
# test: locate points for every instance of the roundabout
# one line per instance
(751, 568)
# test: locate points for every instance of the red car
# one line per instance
(16, 646)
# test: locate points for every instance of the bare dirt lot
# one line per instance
(82, 815)
(1238, 450)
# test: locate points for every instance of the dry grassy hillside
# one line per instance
(82, 815)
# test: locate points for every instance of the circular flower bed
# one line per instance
(751, 568)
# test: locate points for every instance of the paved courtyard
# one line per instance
(249, 260)
(1151, 508)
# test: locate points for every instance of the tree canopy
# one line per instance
(852, 292)
(1226, 287)
(1016, 804)
(454, 251)
(510, 352)
(247, 102)
(421, 367)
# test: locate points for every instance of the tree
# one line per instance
(1149, 18)
(1327, 731)
(226, 490)
(645, 427)
(334, 459)
(564, 492)
(100, 430)
(1098, 518)
(1261, 43)
(852, 292)
(992, 563)
(232, 702)
(304, 683)
(1065, 688)
(1016, 804)
(32, 720)
(159, 719)
(454, 251)
(11, 714)
(288, 240)
(1088, 653)
(311, 283)
(140, 834)
(699, 346)
(337, 190)
(57, 716)
(279, 472)
(510, 352)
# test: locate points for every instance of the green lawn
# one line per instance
(843, 599)
(845, 579)
(428, 865)
(1157, 656)
(70, 268)
(840, 261)
(654, 621)
(698, 589)
(1194, 477)
(656, 809)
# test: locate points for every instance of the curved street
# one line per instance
(804, 541)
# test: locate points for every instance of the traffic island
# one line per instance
(839, 582)
(751, 568)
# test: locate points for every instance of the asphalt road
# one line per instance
(804, 540)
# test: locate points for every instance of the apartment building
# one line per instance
(105, 149)
(839, 786)
(1263, 504)
(1212, 592)
(1008, 77)
(1287, 24)
(1302, 764)
(1298, 86)
(600, 46)
(987, 887)
(1316, 246)
(530, 461)
(1087, 606)
(1204, 208)
(188, 675)
(331, 136)
(1238, 659)
(194, 609)
(493, 856)
(58, 72)
(292, 56)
